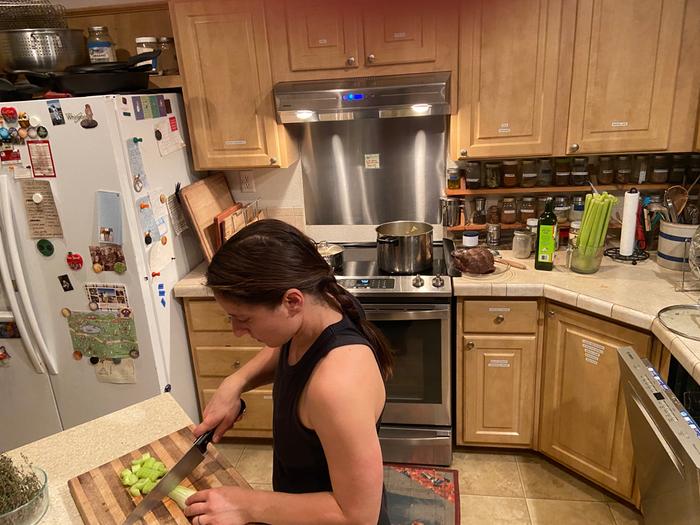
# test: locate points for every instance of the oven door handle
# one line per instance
(406, 315)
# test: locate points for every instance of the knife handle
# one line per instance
(203, 440)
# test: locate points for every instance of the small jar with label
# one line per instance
(640, 174)
(579, 171)
(678, 168)
(522, 244)
(606, 171)
(508, 215)
(453, 182)
(493, 215)
(528, 177)
(167, 60)
(544, 174)
(578, 203)
(532, 225)
(493, 235)
(472, 175)
(479, 215)
(100, 46)
(493, 174)
(562, 173)
(623, 169)
(147, 44)
(511, 173)
(574, 230)
(527, 209)
(659, 174)
(561, 209)
(470, 238)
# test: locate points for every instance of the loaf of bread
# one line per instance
(473, 260)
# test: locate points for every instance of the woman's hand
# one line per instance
(219, 506)
(222, 411)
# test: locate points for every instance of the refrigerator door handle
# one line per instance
(32, 326)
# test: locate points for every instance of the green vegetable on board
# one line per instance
(143, 476)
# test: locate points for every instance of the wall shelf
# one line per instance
(554, 189)
(515, 226)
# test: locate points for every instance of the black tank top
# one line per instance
(299, 464)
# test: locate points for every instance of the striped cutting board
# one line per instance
(102, 500)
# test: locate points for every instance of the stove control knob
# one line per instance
(438, 281)
(418, 281)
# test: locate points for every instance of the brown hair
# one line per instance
(268, 257)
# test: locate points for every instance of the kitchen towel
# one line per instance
(629, 222)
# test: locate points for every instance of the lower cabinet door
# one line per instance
(498, 389)
(583, 421)
(257, 421)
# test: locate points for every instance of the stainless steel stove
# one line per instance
(414, 312)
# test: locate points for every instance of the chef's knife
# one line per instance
(175, 475)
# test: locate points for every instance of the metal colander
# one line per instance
(32, 14)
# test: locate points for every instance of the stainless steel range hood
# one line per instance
(361, 98)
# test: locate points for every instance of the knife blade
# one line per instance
(193, 457)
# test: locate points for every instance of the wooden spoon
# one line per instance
(510, 262)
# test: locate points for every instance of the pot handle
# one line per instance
(387, 240)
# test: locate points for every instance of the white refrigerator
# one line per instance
(110, 164)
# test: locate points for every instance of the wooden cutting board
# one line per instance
(102, 500)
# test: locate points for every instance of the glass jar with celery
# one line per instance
(588, 253)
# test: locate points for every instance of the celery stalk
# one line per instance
(180, 494)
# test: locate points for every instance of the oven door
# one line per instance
(418, 393)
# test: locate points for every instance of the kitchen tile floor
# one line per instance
(496, 488)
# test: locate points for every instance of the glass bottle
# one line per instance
(545, 241)
(453, 182)
(493, 215)
(167, 60)
(623, 169)
(529, 173)
(562, 171)
(100, 46)
(659, 175)
(479, 215)
(606, 172)
(527, 209)
(508, 210)
(578, 203)
(579, 171)
(146, 44)
(472, 175)
(541, 202)
(544, 174)
(640, 174)
(511, 175)
(561, 209)
(493, 174)
(677, 173)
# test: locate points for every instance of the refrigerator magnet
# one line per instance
(74, 261)
(9, 114)
(9, 330)
(45, 247)
(138, 107)
(107, 296)
(109, 216)
(41, 158)
(4, 357)
(31, 132)
(65, 312)
(107, 257)
(89, 121)
(65, 283)
(42, 132)
(55, 112)
(23, 120)
(77, 355)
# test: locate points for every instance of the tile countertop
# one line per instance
(69, 453)
(626, 293)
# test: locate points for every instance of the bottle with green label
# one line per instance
(545, 243)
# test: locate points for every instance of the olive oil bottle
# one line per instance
(546, 241)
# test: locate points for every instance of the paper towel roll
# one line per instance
(629, 222)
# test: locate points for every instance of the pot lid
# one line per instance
(326, 250)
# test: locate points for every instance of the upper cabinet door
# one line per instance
(322, 34)
(508, 67)
(227, 84)
(400, 32)
(627, 75)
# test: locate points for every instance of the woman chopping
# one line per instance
(328, 365)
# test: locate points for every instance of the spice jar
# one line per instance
(167, 60)
(472, 175)
(606, 173)
(528, 177)
(544, 175)
(453, 178)
(527, 209)
(511, 175)
(579, 171)
(677, 173)
(522, 244)
(146, 44)
(562, 171)
(640, 174)
(493, 174)
(508, 210)
(574, 230)
(541, 203)
(561, 209)
(578, 203)
(659, 174)
(100, 46)
(493, 215)
(493, 235)
(623, 169)
(479, 215)
(532, 225)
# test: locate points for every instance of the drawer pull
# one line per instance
(469, 345)
(551, 313)
(499, 319)
(236, 364)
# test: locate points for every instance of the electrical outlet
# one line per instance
(247, 181)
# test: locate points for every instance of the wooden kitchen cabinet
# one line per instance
(223, 57)
(216, 354)
(583, 419)
(512, 55)
(634, 89)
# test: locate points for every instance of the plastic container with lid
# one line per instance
(511, 173)
(492, 176)
(544, 174)
(100, 46)
(623, 169)
(167, 60)
(508, 215)
(470, 238)
(472, 175)
(579, 171)
(146, 44)
(562, 173)
(606, 171)
(528, 178)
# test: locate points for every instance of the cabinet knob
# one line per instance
(550, 313)
(350, 61)
(463, 152)
(469, 345)
(499, 319)
(574, 148)
(236, 364)
(371, 58)
(273, 161)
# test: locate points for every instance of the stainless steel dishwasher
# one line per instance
(666, 443)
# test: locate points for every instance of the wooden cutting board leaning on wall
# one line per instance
(102, 499)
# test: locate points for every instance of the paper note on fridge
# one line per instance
(42, 216)
(168, 140)
(109, 217)
(41, 158)
(121, 372)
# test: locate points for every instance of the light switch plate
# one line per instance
(247, 181)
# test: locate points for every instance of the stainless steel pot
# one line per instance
(42, 50)
(404, 247)
(332, 254)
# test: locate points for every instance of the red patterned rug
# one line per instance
(419, 495)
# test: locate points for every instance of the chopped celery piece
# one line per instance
(135, 468)
(148, 487)
(149, 462)
(134, 491)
